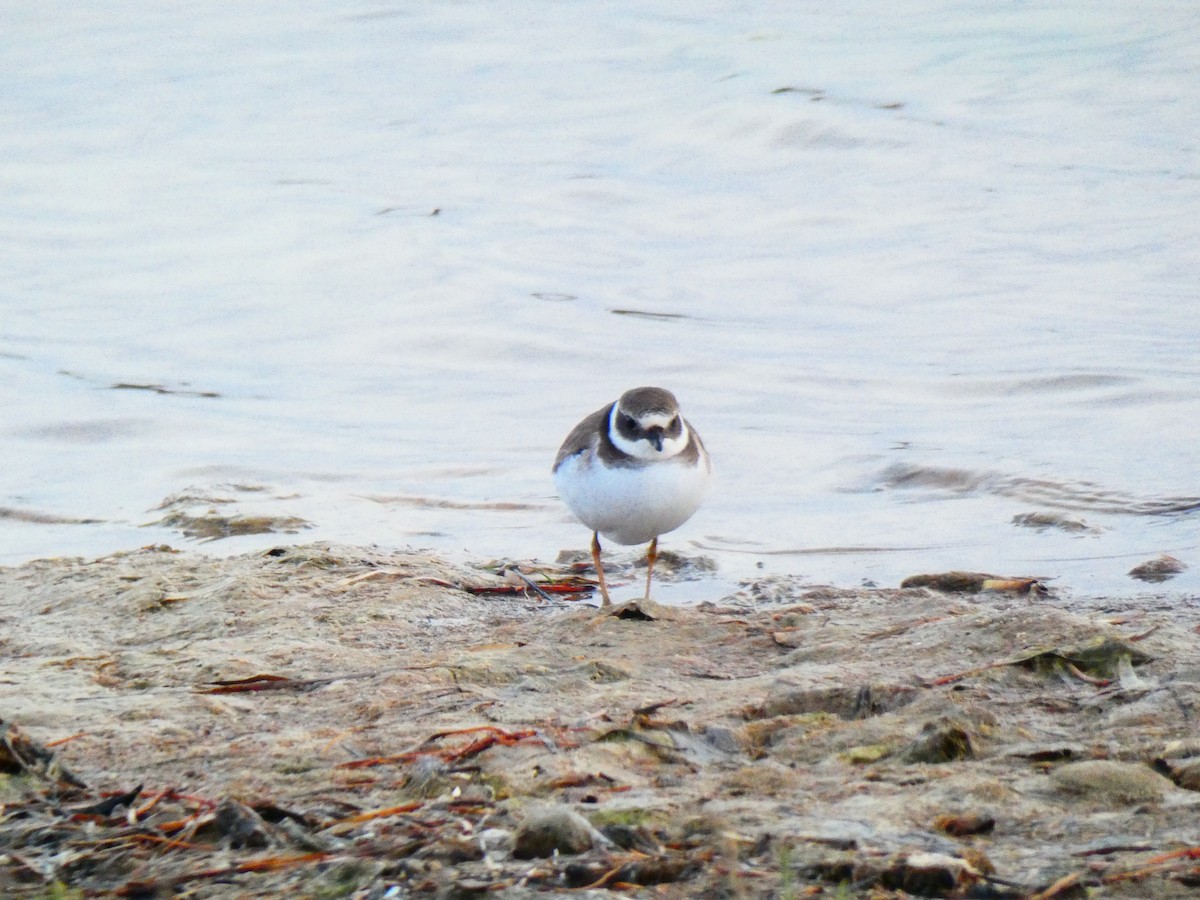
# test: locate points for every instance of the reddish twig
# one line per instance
(959, 676)
(266, 682)
(493, 736)
(270, 864)
(1084, 676)
(379, 814)
(1153, 865)
(64, 740)
(1066, 883)
(168, 843)
(1183, 853)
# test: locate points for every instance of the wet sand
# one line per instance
(338, 721)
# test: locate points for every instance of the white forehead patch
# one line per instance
(649, 420)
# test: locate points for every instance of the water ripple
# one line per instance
(1081, 496)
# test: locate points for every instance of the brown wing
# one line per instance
(583, 436)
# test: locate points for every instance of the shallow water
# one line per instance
(912, 273)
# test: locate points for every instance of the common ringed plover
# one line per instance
(632, 471)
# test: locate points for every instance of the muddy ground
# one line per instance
(326, 721)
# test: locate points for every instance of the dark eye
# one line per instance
(674, 424)
(629, 422)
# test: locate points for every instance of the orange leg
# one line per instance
(600, 570)
(651, 558)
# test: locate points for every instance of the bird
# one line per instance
(632, 471)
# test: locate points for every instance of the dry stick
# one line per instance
(493, 729)
(530, 582)
(63, 740)
(495, 735)
(612, 873)
(1182, 853)
(1145, 634)
(270, 864)
(483, 743)
(168, 843)
(180, 824)
(1083, 676)
(370, 762)
(1063, 884)
(1153, 865)
(278, 683)
(959, 676)
(377, 814)
(137, 812)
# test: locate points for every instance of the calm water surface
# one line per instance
(913, 271)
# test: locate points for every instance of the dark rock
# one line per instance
(965, 823)
(551, 829)
(942, 741)
(1156, 571)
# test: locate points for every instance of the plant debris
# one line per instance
(974, 583)
(329, 721)
(213, 527)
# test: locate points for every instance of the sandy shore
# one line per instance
(399, 734)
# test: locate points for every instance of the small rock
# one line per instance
(1110, 781)
(845, 701)
(677, 565)
(497, 844)
(1041, 521)
(428, 778)
(724, 739)
(978, 860)
(965, 823)
(940, 742)
(551, 829)
(865, 753)
(763, 779)
(644, 610)
(19, 753)
(631, 837)
(1158, 570)
(1046, 753)
(599, 671)
(240, 826)
(930, 874)
(1184, 772)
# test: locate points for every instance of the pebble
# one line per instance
(1111, 782)
(551, 829)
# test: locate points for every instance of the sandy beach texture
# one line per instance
(330, 721)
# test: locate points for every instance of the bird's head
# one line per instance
(646, 424)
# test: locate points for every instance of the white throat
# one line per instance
(644, 449)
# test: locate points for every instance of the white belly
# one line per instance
(632, 505)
